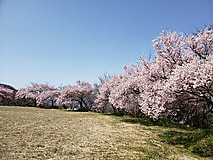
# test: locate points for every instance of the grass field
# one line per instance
(33, 133)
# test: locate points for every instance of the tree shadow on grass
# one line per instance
(160, 122)
(197, 141)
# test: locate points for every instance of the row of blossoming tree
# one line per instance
(80, 95)
(177, 84)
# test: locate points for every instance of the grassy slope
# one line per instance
(32, 133)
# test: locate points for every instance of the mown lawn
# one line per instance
(33, 133)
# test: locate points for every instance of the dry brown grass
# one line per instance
(32, 133)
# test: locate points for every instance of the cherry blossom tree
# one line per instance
(6, 95)
(188, 89)
(21, 98)
(175, 56)
(103, 101)
(32, 92)
(191, 87)
(79, 95)
(177, 81)
(48, 96)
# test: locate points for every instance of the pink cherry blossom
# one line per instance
(177, 81)
(77, 95)
(32, 92)
(6, 95)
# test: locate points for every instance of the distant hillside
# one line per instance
(8, 86)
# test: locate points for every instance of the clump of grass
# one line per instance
(198, 141)
(117, 113)
(203, 147)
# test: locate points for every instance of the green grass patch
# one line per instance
(150, 122)
(117, 113)
(198, 141)
(203, 147)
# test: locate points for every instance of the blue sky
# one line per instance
(61, 41)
